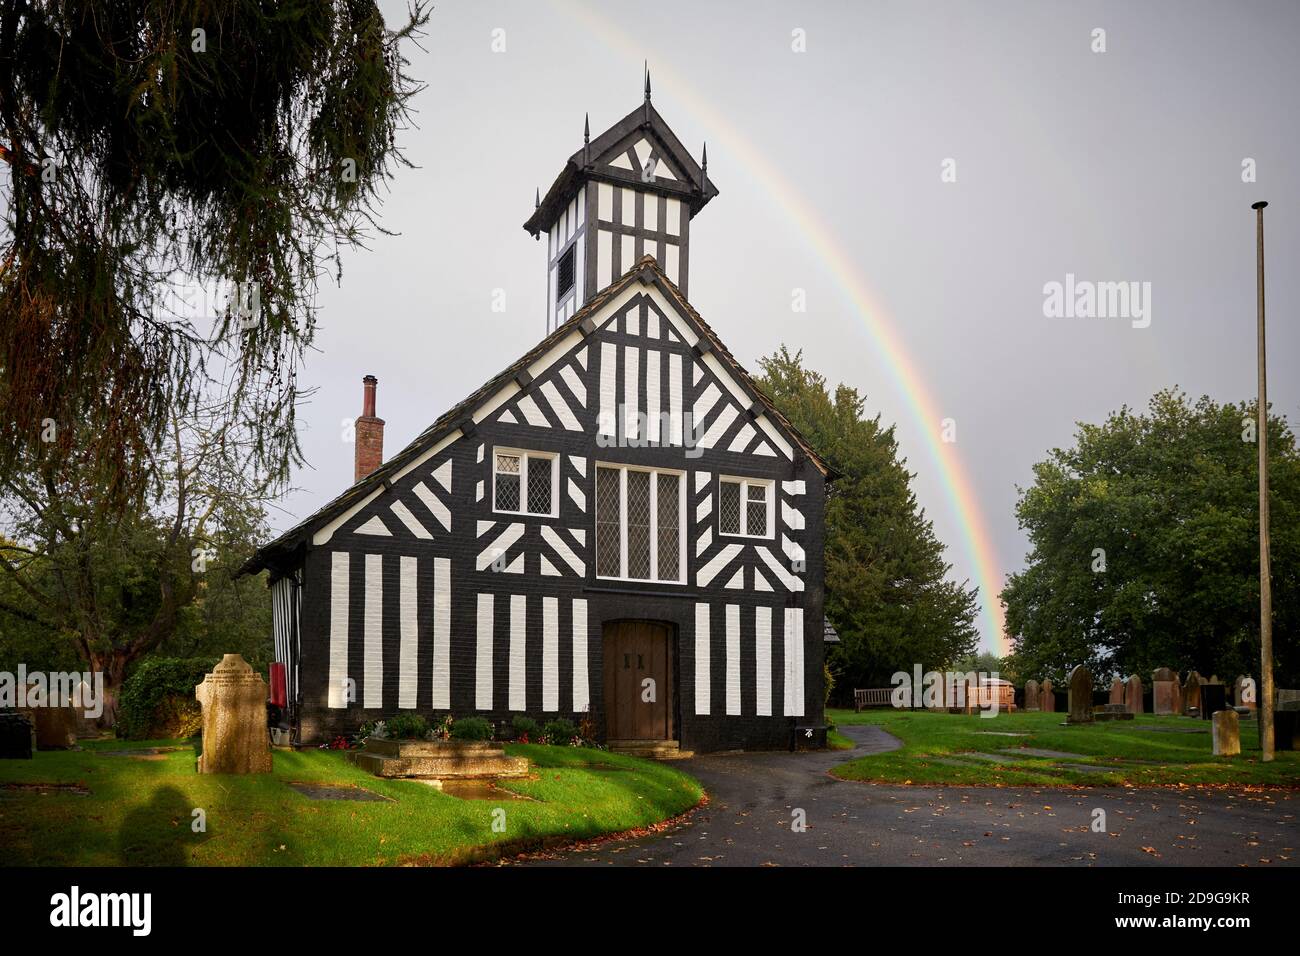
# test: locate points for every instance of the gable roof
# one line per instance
(582, 166)
(647, 272)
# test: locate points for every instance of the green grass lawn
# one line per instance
(837, 741)
(139, 811)
(1139, 757)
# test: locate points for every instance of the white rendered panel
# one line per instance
(373, 622)
(702, 659)
(338, 679)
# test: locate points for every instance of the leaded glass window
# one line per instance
(609, 523)
(638, 524)
(729, 508)
(756, 510)
(507, 482)
(539, 486)
(524, 483)
(744, 507)
(669, 530)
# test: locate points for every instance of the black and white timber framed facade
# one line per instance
(620, 526)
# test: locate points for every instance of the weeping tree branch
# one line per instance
(156, 149)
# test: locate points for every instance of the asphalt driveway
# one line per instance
(757, 800)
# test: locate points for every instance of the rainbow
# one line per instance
(875, 324)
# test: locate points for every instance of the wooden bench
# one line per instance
(871, 697)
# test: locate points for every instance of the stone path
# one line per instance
(316, 791)
(755, 797)
(1040, 752)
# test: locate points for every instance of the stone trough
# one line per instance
(437, 759)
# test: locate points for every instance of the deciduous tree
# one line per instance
(887, 588)
(1145, 549)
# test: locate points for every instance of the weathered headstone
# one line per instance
(1111, 712)
(1225, 733)
(1032, 698)
(1080, 696)
(1162, 691)
(1133, 694)
(55, 724)
(17, 737)
(1214, 698)
(1178, 694)
(235, 738)
(1117, 691)
(1192, 694)
(1244, 692)
(1047, 697)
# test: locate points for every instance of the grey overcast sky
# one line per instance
(928, 296)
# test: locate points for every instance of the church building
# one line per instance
(620, 527)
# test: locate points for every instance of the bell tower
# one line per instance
(630, 192)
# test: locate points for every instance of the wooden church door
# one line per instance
(637, 652)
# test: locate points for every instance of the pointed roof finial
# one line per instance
(586, 128)
(704, 167)
(537, 198)
(647, 81)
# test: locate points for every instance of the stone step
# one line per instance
(650, 749)
(454, 767)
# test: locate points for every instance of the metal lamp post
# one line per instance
(1265, 580)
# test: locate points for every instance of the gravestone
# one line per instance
(1133, 694)
(1117, 691)
(1162, 691)
(1225, 734)
(1214, 698)
(56, 726)
(1239, 694)
(1032, 698)
(235, 738)
(1192, 694)
(1047, 697)
(17, 737)
(1080, 696)
(1178, 694)
(1111, 712)
(82, 697)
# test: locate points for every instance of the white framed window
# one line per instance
(524, 482)
(640, 524)
(746, 507)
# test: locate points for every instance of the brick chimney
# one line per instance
(369, 432)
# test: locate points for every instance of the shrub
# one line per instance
(525, 728)
(406, 727)
(559, 732)
(157, 700)
(471, 728)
